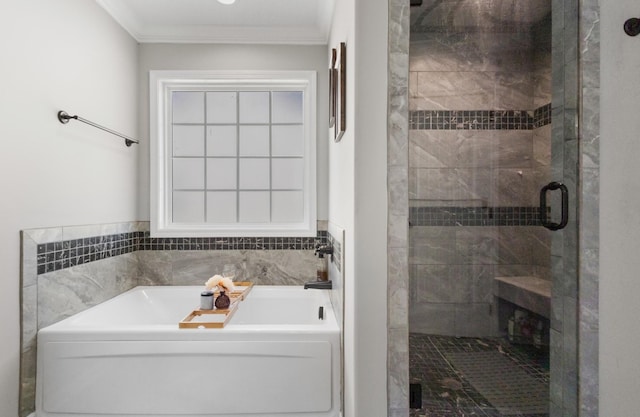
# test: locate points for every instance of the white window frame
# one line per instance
(162, 84)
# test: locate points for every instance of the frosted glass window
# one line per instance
(254, 174)
(254, 207)
(287, 140)
(188, 206)
(222, 207)
(188, 173)
(222, 141)
(287, 174)
(222, 107)
(188, 107)
(288, 206)
(188, 140)
(221, 174)
(254, 140)
(232, 153)
(254, 107)
(287, 107)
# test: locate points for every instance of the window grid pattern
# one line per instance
(255, 161)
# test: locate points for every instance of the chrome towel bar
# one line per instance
(64, 118)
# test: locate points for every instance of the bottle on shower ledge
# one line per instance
(322, 273)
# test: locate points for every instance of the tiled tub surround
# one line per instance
(479, 152)
(68, 269)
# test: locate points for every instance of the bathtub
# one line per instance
(127, 357)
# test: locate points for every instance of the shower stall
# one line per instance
(492, 208)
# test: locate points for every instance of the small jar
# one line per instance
(223, 301)
(206, 300)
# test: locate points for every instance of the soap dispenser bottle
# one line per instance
(322, 274)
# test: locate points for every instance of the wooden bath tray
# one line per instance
(217, 318)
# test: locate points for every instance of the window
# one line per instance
(233, 153)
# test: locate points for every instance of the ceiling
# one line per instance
(208, 21)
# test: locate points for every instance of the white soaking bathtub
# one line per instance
(127, 357)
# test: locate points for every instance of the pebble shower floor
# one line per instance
(446, 392)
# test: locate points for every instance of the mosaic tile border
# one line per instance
(54, 256)
(474, 216)
(337, 251)
(480, 119)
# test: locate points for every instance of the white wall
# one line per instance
(619, 205)
(358, 202)
(233, 57)
(63, 55)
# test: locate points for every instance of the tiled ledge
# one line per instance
(531, 293)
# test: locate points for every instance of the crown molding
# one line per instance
(156, 33)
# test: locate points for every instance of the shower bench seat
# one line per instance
(531, 293)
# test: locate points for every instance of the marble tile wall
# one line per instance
(479, 152)
(68, 269)
(398, 210)
(589, 110)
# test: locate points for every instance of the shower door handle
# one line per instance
(552, 186)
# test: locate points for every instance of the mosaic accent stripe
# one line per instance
(474, 216)
(68, 253)
(480, 119)
(337, 251)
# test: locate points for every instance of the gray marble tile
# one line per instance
(397, 230)
(432, 245)
(519, 187)
(474, 320)
(542, 80)
(456, 90)
(477, 245)
(433, 55)
(481, 279)
(516, 244)
(196, 267)
(542, 146)
(555, 366)
(514, 270)
(514, 149)
(155, 267)
(433, 148)
(398, 190)
(432, 318)
(590, 126)
(477, 148)
(287, 267)
(590, 208)
(514, 90)
(29, 315)
(454, 186)
(413, 87)
(398, 379)
(68, 291)
(27, 380)
(398, 288)
(443, 284)
(589, 385)
(29, 260)
(51, 234)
